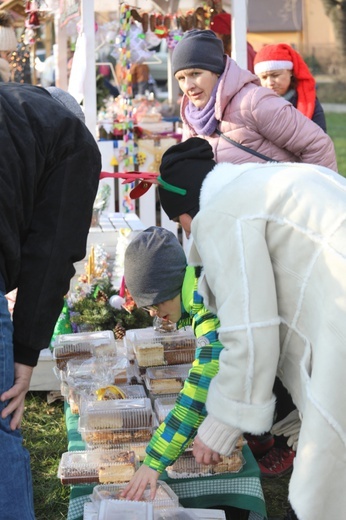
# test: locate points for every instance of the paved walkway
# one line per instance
(334, 107)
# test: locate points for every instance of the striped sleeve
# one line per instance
(181, 424)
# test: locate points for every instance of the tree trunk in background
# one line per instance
(336, 11)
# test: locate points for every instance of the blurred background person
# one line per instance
(242, 121)
(221, 25)
(140, 76)
(283, 70)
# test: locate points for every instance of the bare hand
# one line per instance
(16, 395)
(203, 454)
(143, 477)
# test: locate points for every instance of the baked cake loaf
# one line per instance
(62, 358)
(166, 380)
(187, 467)
(97, 466)
(116, 438)
(149, 355)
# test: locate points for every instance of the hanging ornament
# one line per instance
(161, 31)
(174, 38)
(116, 301)
(29, 36)
(33, 20)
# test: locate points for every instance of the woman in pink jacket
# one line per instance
(221, 97)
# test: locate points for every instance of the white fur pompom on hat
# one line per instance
(8, 40)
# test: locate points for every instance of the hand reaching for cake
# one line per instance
(203, 454)
(143, 478)
(16, 395)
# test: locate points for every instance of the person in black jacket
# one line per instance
(283, 70)
(49, 173)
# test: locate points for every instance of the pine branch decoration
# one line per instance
(94, 311)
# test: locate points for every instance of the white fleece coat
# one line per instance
(272, 241)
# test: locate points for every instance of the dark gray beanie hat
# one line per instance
(68, 101)
(199, 49)
(154, 266)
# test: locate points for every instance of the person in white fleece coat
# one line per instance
(272, 242)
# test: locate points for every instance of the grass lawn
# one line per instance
(45, 437)
(336, 127)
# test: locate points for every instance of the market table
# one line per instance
(242, 490)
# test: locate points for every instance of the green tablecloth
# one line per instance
(242, 490)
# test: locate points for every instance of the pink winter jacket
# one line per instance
(258, 118)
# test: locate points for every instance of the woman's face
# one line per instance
(277, 80)
(197, 84)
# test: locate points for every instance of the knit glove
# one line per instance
(217, 436)
(290, 428)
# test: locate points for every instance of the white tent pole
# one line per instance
(60, 52)
(88, 24)
(239, 29)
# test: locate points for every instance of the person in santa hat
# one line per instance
(282, 69)
(221, 25)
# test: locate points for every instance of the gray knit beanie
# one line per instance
(199, 49)
(68, 101)
(154, 266)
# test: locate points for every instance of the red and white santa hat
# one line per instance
(282, 56)
(273, 57)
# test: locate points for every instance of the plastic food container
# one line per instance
(62, 354)
(99, 466)
(164, 498)
(163, 405)
(122, 413)
(166, 380)
(138, 449)
(187, 467)
(126, 510)
(106, 370)
(158, 349)
(130, 339)
(102, 338)
(176, 513)
(114, 423)
(91, 391)
(83, 345)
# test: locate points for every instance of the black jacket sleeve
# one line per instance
(63, 166)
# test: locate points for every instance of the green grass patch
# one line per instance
(45, 437)
(336, 128)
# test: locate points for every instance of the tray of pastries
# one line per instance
(187, 467)
(167, 379)
(97, 466)
(158, 349)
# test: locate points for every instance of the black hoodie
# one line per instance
(49, 173)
